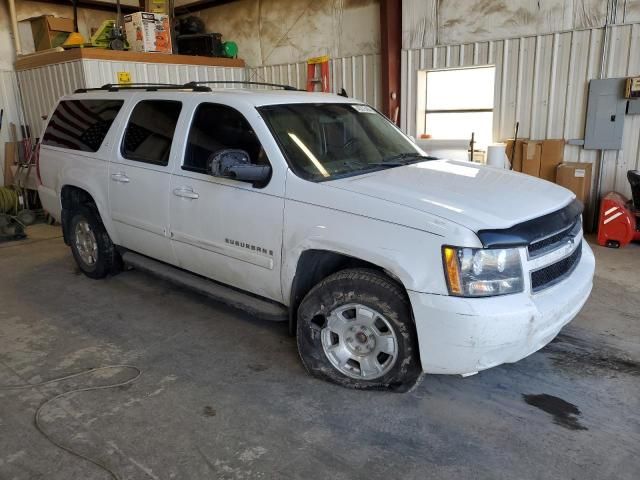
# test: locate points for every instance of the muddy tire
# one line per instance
(91, 245)
(355, 329)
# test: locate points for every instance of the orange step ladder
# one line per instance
(313, 79)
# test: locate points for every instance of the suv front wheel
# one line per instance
(355, 329)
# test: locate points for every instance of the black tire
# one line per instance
(373, 290)
(108, 259)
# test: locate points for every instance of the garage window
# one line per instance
(459, 102)
(81, 124)
(150, 131)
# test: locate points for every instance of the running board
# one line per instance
(248, 303)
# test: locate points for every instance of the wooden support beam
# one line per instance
(95, 5)
(390, 46)
(198, 5)
(187, 8)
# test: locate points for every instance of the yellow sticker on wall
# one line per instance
(124, 77)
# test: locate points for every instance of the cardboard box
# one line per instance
(157, 6)
(542, 157)
(148, 32)
(552, 156)
(516, 161)
(531, 153)
(577, 178)
(49, 31)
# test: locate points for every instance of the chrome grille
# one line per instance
(540, 247)
(556, 272)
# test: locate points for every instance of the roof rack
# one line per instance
(195, 86)
(242, 82)
(149, 87)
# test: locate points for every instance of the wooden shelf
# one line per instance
(27, 62)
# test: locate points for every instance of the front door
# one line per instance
(140, 179)
(224, 229)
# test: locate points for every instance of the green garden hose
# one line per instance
(8, 201)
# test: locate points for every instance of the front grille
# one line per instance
(552, 274)
(550, 243)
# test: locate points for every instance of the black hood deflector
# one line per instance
(532, 230)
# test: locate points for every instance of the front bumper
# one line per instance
(465, 335)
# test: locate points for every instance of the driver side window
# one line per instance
(219, 127)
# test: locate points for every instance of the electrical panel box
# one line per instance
(605, 114)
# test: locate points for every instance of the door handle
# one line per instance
(120, 177)
(185, 192)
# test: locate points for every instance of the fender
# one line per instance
(411, 256)
(376, 258)
(92, 178)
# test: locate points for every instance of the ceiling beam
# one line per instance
(199, 5)
(95, 5)
(111, 6)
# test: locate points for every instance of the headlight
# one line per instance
(477, 272)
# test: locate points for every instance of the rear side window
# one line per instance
(150, 131)
(218, 127)
(81, 124)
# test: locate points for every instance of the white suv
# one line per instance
(316, 209)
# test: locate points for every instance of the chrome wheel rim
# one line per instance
(359, 342)
(86, 243)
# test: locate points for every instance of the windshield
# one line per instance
(324, 141)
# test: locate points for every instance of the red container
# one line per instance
(617, 225)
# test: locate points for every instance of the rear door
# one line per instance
(140, 177)
(225, 229)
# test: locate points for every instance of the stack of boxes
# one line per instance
(148, 32)
(544, 159)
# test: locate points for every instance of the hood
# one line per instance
(474, 196)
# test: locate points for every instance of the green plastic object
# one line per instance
(103, 36)
(100, 39)
(230, 49)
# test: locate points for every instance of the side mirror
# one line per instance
(236, 164)
(250, 173)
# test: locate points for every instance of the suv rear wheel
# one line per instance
(355, 329)
(91, 245)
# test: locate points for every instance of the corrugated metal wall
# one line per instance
(43, 86)
(9, 103)
(99, 72)
(542, 82)
(359, 75)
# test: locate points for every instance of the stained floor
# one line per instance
(224, 396)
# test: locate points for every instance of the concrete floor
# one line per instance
(225, 396)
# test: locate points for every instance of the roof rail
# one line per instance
(196, 86)
(242, 82)
(149, 87)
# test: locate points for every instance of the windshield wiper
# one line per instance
(406, 158)
(399, 160)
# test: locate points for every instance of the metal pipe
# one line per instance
(14, 26)
(600, 160)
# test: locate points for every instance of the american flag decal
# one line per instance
(81, 124)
